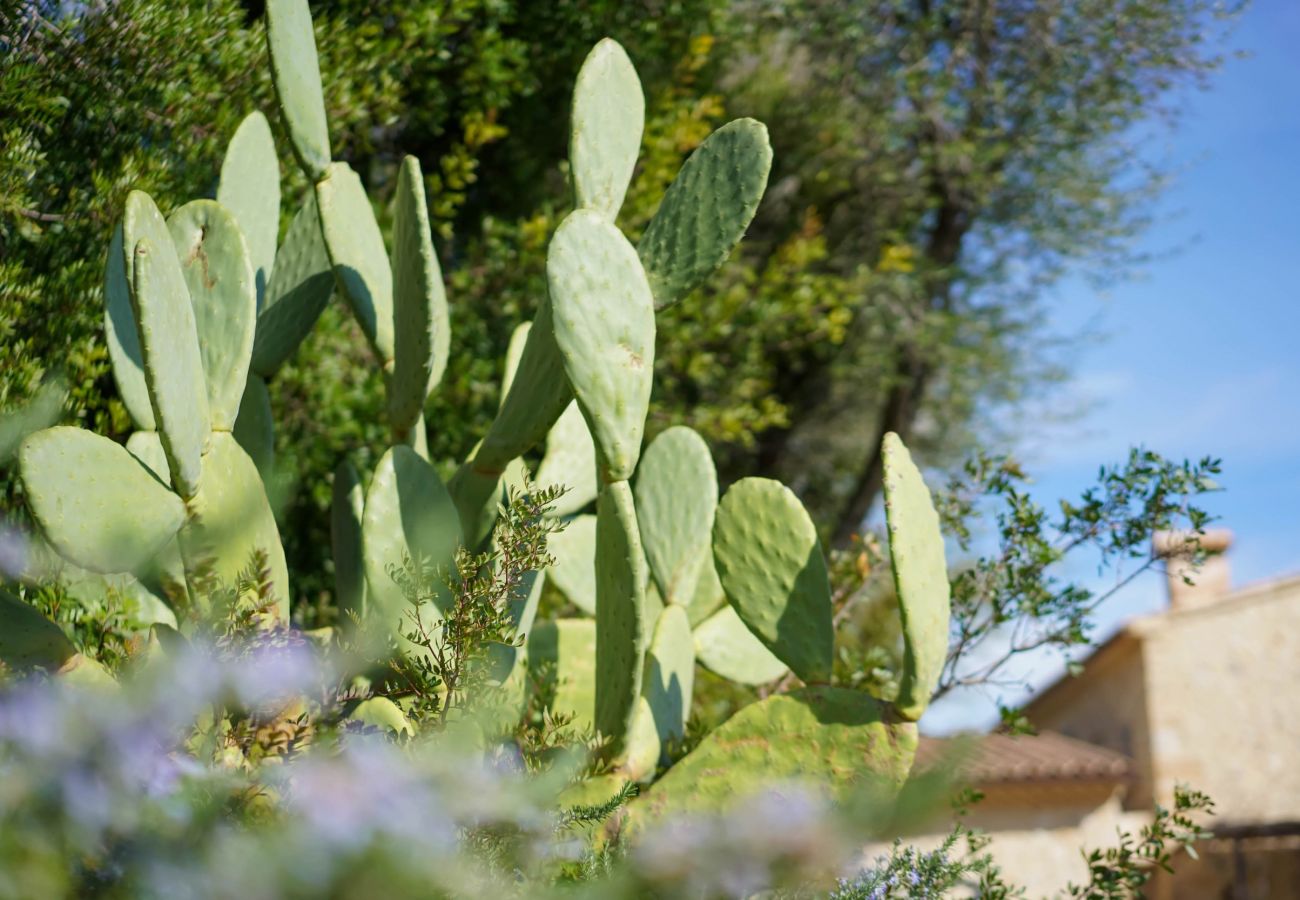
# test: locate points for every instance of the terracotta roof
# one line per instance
(1044, 757)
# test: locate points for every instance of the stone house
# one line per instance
(1206, 693)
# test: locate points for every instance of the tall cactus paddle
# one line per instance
(920, 577)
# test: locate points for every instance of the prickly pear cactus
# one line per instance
(250, 188)
(296, 75)
(201, 309)
(97, 505)
(182, 494)
(774, 576)
(826, 737)
(724, 646)
(421, 324)
(676, 498)
(399, 301)
(30, 641)
(408, 516)
(920, 577)
(706, 210)
(703, 216)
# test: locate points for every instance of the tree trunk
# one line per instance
(899, 413)
(911, 373)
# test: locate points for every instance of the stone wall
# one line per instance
(1107, 706)
(1223, 693)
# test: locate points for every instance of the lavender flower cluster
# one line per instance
(117, 791)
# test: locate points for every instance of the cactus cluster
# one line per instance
(182, 495)
(202, 308)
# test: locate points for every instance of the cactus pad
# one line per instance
(605, 131)
(295, 71)
(408, 514)
(620, 614)
(570, 460)
(538, 394)
(123, 338)
(169, 343)
(421, 326)
(346, 513)
(356, 250)
(706, 210)
(95, 503)
(574, 570)
(166, 567)
(604, 326)
(829, 738)
(384, 714)
(643, 747)
(514, 353)
(920, 577)
(28, 639)
(255, 427)
(230, 518)
(301, 284)
(214, 259)
(709, 596)
(726, 647)
(92, 589)
(676, 497)
(250, 189)
(562, 659)
(771, 566)
(670, 674)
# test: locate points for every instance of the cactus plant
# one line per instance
(185, 494)
(676, 494)
(201, 309)
(669, 573)
(400, 304)
(703, 216)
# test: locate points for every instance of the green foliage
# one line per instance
(1018, 588)
(1123, 870)
(443, 664)
(957, 163)
(907, 872)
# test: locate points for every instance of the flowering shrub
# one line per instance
(142, 791)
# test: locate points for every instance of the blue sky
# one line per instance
(1201, 354)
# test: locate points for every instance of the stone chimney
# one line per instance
(1211, 582)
